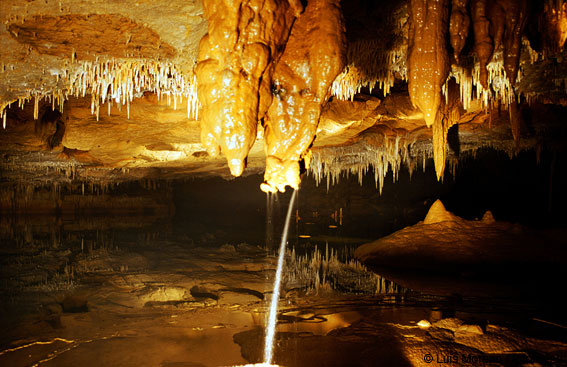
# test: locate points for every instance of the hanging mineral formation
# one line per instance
(448, 117)
(482, 41)
(553, 25)
(515, 16)
(313, 57)
(459, 26)
(428, 67)
(234, 71)
(371, 64)
(428, 60)
(120, 80)
(269, 62)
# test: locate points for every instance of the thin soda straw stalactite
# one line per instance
(271, 329)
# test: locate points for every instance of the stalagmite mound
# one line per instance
(437, 213)
(444, 242)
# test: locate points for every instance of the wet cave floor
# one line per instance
(152, 301)
(191, 289)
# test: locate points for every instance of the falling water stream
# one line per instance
(272, 315)
(271, 328)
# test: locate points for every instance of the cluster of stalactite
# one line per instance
(370, 66)
(475, 44)
(494, 31)
(273, 64)
(116, 81)
(377, 47)
(236, 62)
(270, 63)
(381, 149)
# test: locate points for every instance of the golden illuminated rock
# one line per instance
(515, 16)
(448, 116)
(437, 213)
(483, 44)
(107, 34)
(440, 129)
(459, 26)
(234, 57)
(313, 57)
(428, 68)
(488, 217)
(108, 61)
(428, 60)
(554, 26)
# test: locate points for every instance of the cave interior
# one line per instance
(150, 150)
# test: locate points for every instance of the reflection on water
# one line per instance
(151, 287)
(334, 270)
(65, 275)
(52, 236)
(137, 282)
(320, 322)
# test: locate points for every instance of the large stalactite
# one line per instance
(483, 43)
(459, 25)
(515, 16)
(314, 56)
(497, 26)
(448, 116)
(245, 37)
(428, 59)
(244, 78)
(428, 65)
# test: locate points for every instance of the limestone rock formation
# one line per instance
(313, 57)
(446, 243)
(428, 60)
(244, 70)
(241, 65)
(235, 57)
(459, 25)
(482, 41)
(437, 213)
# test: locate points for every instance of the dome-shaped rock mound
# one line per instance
(488, 217)
(437, 213)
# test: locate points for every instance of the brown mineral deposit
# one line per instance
(428, 60)
(459, 25)
(244, 37)
(313, 57)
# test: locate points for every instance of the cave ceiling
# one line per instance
(108, 91)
